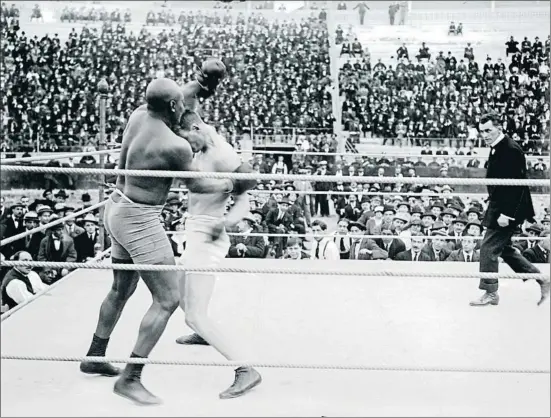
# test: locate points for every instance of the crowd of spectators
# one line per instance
(427, 96)
(94, 14)
(50, 85)
(423, 223)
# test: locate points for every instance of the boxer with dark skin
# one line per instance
(132, 219)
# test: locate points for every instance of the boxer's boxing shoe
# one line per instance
(193, 339)
(103, 369)
(131, 388)
(544, 291)
(488, 298)
(246, 378)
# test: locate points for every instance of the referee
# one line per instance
(508, 207)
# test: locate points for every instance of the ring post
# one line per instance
(103, 89)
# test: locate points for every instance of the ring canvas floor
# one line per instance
(394, 321)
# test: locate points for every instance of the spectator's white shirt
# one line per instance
(17, 290)
(404, 236)
(473, 132)
(544, 68)
(328, 250)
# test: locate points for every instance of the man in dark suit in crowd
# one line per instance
(56, 246)
(436, 247)
(415, 253)
(467, 252)
(246, 246)
(539, 253)
(508, 207)
(85, 242)
(32, 241)
(393, 246)
(13, 225)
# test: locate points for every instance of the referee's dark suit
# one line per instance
(506, 160)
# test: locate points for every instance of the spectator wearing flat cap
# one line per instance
(436, 247)
(364, 248)
(56, 246)
(86, 241)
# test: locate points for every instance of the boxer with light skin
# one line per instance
(207, 247)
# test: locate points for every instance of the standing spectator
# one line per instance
(508, 207)
(20, 283)
(362, 10)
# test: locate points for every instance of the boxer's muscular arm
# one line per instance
(190, 91)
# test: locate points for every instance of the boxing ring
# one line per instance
(330, 339)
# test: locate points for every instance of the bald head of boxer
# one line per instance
(165, 100)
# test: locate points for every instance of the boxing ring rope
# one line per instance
(46, 157)
(353, 269)
(346, 193)
(311, 235)
(9, 313)
(53, 223)
(56, 157)
(324, 366)
(291, 177)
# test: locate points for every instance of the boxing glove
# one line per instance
(210, 74)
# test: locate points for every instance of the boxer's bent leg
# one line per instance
(196, 289)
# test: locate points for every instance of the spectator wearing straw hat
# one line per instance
(32, 241)
(44, 214)
(20, 283)
(86, 241)
(56, 246)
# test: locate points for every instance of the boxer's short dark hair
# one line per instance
(189, 118)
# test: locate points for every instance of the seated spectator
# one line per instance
(12, 225)
(32, 241)
(467, 252)
(539, 253)
(364, 248)
(56, 246)
(416, 251)
(436, 247)
(20, 283)
(86, 241)
(294, 250)
(323, 247)
(342, 240)
(393, 246)
(245, 245)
